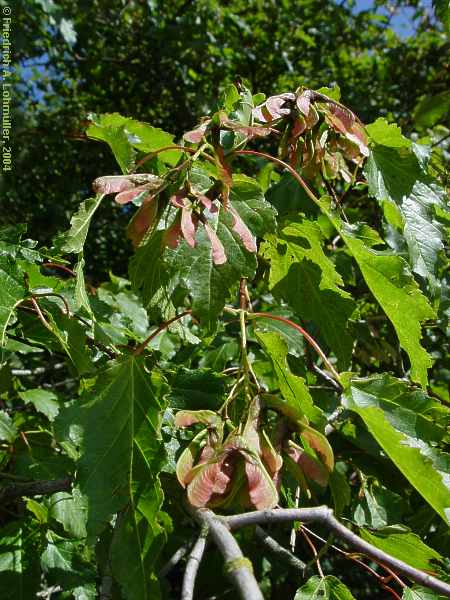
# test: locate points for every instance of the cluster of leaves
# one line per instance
(297, 300)
(70, 62)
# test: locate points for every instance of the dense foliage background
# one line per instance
(106, 349)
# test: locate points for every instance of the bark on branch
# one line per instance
(279, 551)
(34, 488)
(239, 569)
(192, 566)
(324, 515)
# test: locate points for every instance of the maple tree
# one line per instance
(275, 359)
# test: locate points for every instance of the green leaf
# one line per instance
(324, 588)
(340, 490)
(20, 579)
(110, 128)
(420, 593)
(391, 282)
(432, 109)
(146, 138)
(218, 358)
(288, 197)
(121, 420)
(405, 546)
(81, 299)
(8, 431)
(295, 392)
(123, 134)
(12, 291)
(64, 564)
(398, 177)
(210, 284)
(70, 510)
(12, 244)
(387, 134)
(126, 313)
(74, 239)
(195, 389)
(72, 337)
(44, 401)
(247, 198)
(378, 508)
(407, 437)
(135, 546)
(305, 277)
(38, 510)
(151, 276)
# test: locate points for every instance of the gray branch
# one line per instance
(277, 550)
(175, 559)
(237, 566)
(34, 488)
(324, 515)
(192, 566)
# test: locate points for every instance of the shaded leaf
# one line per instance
(64, 565)
(125, 402)
(20, 579)
(44, 401)
(405, 546)
(201, 271)
(8, 431)
(70, 510)
(195, 389)
(12, 291)
(432, 109)
(297, 399)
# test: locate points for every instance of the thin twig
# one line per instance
(163, 326)
(314, 551)
(337, 386)
(63, 300)
(350, 556)
(192, 565)
(165, 149)
(324, 515)
(175, 559)
(34, 488)
(292, 171)
(279, 551)
(311, 341)
(231, 396)
(42, 319)
(52, 265)
(380, 578)
(238, 568)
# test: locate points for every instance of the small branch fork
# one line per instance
(239, 569)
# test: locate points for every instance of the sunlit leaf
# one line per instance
(407, 438)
